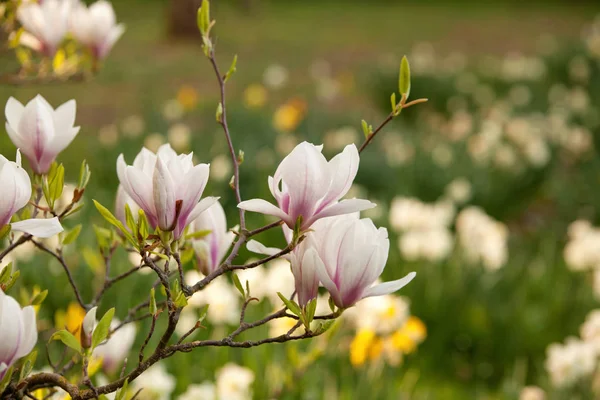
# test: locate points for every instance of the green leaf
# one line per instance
(122, 393)
(129, 219)
(39, 298)
(199, 234)
(310, 310)
(6, 380)
(203, 17)
(179, 296)
(325, 326)
(238, 284)
(68, 339)
(331, 304)
(365, 128)
(84, 175)
(152, 307)
(111, 219)
(75, 210)
(143, 230)
(219, 113)
(101, 330)
(404, 80)
(13, 279)
(4, 231)
(6, 273)
(93, 259)
(291, 305)
(71, 235)
(203, 312)
(57, 184)
(27, 365)
(232, 68)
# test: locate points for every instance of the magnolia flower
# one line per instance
(307, 185)
(211, 248)
(121, 200)
(166, 186)
(18, 331)
(40, 131)
(96, 27)
(16, 189)
(117, 347)
(45, 23)
(348, 255)
(234, 382)
(156, 383)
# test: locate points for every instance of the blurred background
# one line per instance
(489, 190)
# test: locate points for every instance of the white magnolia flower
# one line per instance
(96, 27)
(167, 187)
(18, 331)
(45, 23)
(211, 248)
(16, 187)
(40, 131)
(306, 185)
(568, 363)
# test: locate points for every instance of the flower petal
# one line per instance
(30, 334)
(324, 277)
(389, 287)
(164, 196)
(257, 247)
(264, 207)
(43, 228)
(347, 206)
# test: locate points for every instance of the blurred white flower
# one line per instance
(381, 314)
(275, 76)
(568, 363)
(45, 24)
(582, 250)
(108, 135)
(116, 349)
(532, 393)
(407, 213)
(433, 244)
(337, 139)
(156, 383)
(256, 278)
(590, 330)
(234, 382)
(172, 110)
(279, 279)
(133, 126)
(179, 136)
(483, 239)
(154, 141)
(220, 168)
(459, 190)
(203, 391)
(224, 302)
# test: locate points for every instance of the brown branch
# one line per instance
(223, 122)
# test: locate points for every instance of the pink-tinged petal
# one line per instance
(256, 247)
(14, 136)
(37, 130)
(305, 274)
(30, 334)
(389, 287)
(42, 228)
(264, 207)
(10, 187)
(194, 182)
(11, 329)
(347, 206)
(64, 121)
(325, 279)
(164, 196)
(342, 168)
(139, 186)
(14, 112)
(200, 207)
(145, 161)
(114, 35)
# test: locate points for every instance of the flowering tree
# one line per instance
(161, 211)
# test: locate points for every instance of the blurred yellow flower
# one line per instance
(288, 116)
(410, 335)
(187, 96)
(94, 365)
(255, 96)
(71, 319)
(360, 346)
